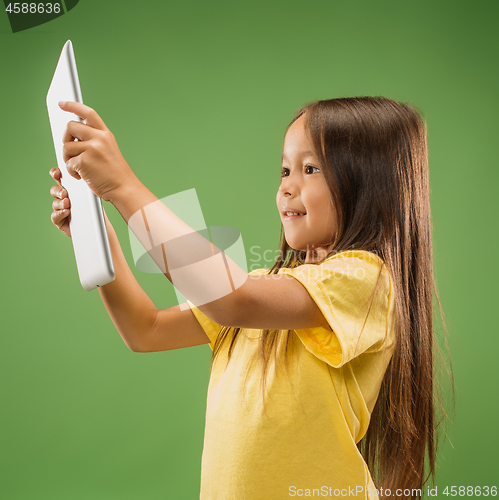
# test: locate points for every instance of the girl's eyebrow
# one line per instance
(304, 154)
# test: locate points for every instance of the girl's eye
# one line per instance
(311, 166)
(285, 171)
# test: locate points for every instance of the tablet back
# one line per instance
(88, 228)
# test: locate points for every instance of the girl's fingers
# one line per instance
(58, 192)
(73, 165)
(77, 130)
(71, 149)
(61, 204)
(58, 217)
(88, 114)
(55, 173)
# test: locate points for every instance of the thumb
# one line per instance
(73, 167)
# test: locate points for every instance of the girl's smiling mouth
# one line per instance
(292, 216)
(291, 213)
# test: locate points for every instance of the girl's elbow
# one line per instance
(135, 340)
(133, 346)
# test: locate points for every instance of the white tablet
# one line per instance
(88, 228)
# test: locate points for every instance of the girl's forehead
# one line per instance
(297, 141)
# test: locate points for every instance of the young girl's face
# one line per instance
(303, 189)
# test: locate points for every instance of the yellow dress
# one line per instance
(302, 443)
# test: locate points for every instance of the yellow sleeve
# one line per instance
(343, 287)
(211, 328)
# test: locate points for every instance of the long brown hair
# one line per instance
(373, 153)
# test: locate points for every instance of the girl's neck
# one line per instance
(316, 254)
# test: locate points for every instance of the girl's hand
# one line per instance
(61, 204)
(92, 154)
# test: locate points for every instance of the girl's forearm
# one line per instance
(131, 310)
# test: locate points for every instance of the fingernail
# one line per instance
(60, 193)
(62, 103)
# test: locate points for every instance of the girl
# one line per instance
(322, 368)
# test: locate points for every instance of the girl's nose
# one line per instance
(288, 186)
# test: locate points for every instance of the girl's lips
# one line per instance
(291, 217)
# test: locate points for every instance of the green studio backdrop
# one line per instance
(198, 95)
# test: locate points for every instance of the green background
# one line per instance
(198, 94)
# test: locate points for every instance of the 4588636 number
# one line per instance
(470, 491)
(33, 8)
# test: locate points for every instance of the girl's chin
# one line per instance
(296, 248)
